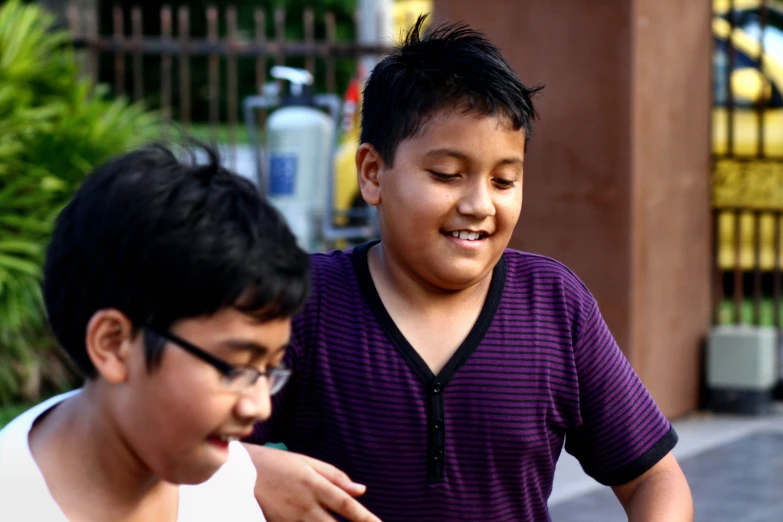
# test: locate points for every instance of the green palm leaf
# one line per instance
(54, 128)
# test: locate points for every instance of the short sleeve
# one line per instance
(622, 432)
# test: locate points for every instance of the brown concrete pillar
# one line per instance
(617, 175)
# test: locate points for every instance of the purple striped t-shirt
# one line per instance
(479, 441)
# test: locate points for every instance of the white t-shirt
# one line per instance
(24, 496)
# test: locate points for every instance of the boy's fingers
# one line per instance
(341, 503)
(291, 486)
(337, 491)
(338, 478)
(321, 515)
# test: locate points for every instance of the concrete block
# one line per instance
(743, 358)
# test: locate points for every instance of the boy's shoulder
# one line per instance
(547, 287)
(334, 262)
(525, 268)
(21, 424)
(337, 270)
(24, 494)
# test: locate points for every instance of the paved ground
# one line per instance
(734, 466)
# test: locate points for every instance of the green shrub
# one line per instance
(54, 128)
(8, 413)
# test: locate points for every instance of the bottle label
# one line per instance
(282, 174)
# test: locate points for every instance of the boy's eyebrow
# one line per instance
(252, 346)
(513, 160)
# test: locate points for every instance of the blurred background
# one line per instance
(655, 173)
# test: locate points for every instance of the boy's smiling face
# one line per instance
(449, 204)
(176, 419)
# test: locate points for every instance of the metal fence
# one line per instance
(747, 145)
(129, 44)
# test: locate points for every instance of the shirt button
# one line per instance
(438, 424)
(436, 388)
(437, 456)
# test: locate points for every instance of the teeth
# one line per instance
(464, 234)
(228, 438)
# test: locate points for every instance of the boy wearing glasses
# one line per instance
(171, 287)
(437, 367)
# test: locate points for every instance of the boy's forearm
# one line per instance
(662, 497)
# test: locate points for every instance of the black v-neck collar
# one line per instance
(465, 350)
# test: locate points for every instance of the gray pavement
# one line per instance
(734, 466)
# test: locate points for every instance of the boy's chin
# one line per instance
(192, 475)
(454, 278)
(195, 470)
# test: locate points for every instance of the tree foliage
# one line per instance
(54, 128)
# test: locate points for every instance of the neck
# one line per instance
(389, 274)
(82, 454)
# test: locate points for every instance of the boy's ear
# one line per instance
(368, 167)
(109, 344)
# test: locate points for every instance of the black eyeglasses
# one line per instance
(237, 378)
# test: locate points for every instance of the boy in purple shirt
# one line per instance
(437, 367)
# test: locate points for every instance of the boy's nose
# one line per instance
(477, 202)
(255, 404)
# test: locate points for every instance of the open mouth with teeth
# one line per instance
(222, 440)
(465, 234)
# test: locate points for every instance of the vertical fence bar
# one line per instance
(309, 36)
(165, 66)
(74, 21)
(776, 291)
(729, 90)
(357, 22)
(75, 27)
(214, 75)
(260, 19)
(92, 36)
(231, 21)
(738, 289)
(757, 268)
(261, 61)
(380, 28)
(761, 104)
(279, 35)
(138, 68)
(184, 66)
(119, 56)
(776, 279)
(717, 271)
(331, 31)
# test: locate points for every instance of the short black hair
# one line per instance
(163, 239)
(450, 67)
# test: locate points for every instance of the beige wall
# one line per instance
(616, 179)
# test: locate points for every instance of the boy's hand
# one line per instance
(293, 487)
